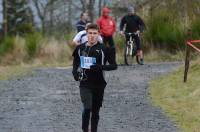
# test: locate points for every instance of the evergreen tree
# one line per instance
(19, 17)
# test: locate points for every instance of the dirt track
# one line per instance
(48, 101)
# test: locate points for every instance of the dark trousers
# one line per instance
(108, 40)
(92, 99)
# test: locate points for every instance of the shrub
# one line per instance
(119, 41)
(32, 43)
(195, 26)
(164, 31)
(23, 29)
(7, 45)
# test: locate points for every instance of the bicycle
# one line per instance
(130, 50)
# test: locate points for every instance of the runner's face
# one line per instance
(92, 35)
(85, 16)
(106, 14)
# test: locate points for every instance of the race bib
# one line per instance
(86, 62)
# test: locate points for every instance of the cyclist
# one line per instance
(81, 24)
(132, 23)
(81, 37)
(91, 58)
(107, 27)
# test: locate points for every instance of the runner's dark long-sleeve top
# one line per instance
(132, 22)
(80, 26)
(102, 55)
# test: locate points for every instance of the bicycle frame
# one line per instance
(130, 49)
(130, 43)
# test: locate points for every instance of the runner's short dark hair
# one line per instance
(81, 15)
(92, 26)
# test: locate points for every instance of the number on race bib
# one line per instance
(86, 62)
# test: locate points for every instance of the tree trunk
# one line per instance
(40, 14)
(5, 24)
(70, 14)
(51, 8)
(83, 3)
(104, 2)
(100, 7)
(91, 9)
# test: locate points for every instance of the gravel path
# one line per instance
(48, 101)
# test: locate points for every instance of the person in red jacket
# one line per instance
(107, 27)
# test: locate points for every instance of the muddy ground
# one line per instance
(47, 100)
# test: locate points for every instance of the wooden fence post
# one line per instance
(187, 56)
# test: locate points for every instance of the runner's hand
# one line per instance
(76, 76)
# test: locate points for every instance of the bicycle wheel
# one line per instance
(128, 55)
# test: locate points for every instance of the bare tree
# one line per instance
(70, 12)
(84, 5)
(104, 2)
(41, 11)
(91, 9)
(42, 7)
(100, 6)
(88, 6)
(5, 25)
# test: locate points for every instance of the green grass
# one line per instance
(8, 72)
(35, 48)
(163, 56)
(181, 101)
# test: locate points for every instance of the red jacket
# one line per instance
(107, 25)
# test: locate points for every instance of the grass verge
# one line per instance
(163, 56)
(8, 72)
(181, 101)
(12, 71)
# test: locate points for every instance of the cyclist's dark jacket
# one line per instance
(133, 23)
(102, 55)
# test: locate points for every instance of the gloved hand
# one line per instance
(96, 67)
(76, 75)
